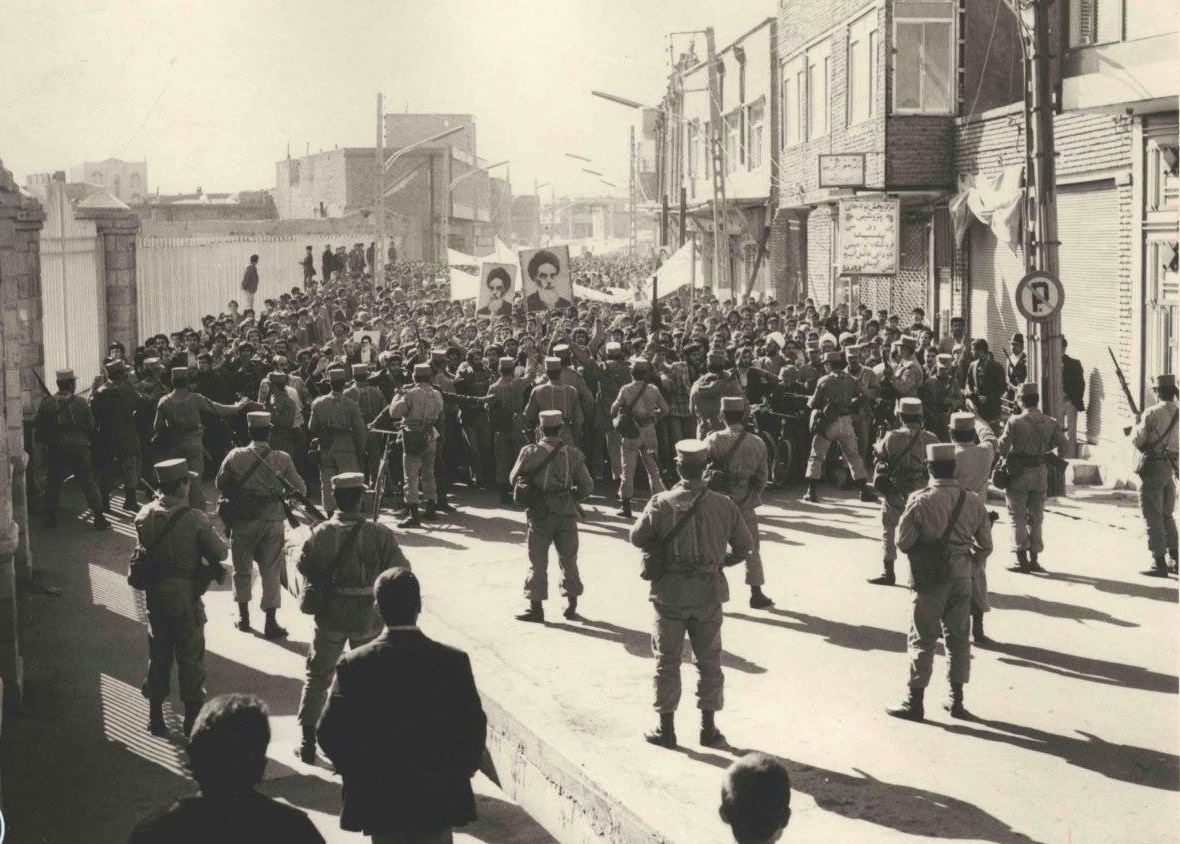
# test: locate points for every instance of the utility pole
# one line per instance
(379, 207)
(717, 156)
(631, 233)
(683, 215)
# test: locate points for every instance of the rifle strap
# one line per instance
(1162, 438)
(950, 525)
(534, 474)
(686, 518)
(241, 484)
(168, 526)
(631, 405)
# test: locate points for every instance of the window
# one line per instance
(292, 172)
(732, 141)
(793, 87)
(1163, 184)
(1098, 21)
(755, 122)
(862, 69)
(818, 62)
(923, 57)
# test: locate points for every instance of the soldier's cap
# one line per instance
(348, 480)
(423, 371)
(613, 348)
(1030, 388)
(115, 367)
(909, 406)
(905, 342)
(64, 375)
(179, 372)
(936, 452)
(718, 356)
(277, 377)
(438, 355)
(962, 421)
(561, 349)
(945, 359)
(552, 364)
(173, 470)
(732, 403)
(692, 451)
(833, 357)
(552, 419)
(258, 419)
(640, 364)
(360, 370)
(1017, 337)
(337, 373)
(1164, 380)
(507, 363)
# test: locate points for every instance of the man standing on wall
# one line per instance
(250, 283)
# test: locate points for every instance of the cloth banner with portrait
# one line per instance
(497, 285)
(545, 278)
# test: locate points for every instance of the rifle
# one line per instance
(1118, 370)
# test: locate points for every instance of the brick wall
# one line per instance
(819, 256)
(919, 151)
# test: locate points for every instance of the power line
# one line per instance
(152, 110)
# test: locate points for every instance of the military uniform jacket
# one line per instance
(906, 467)
(565, 481)
(645, 401)
(261, 486)
(65, 420)
(1148, 435)
(473, 382)
(1027, 438)
(869, 383)
(368, 398)
(152, 388)
(927, 513)
(420, 406)
(507, 408)
(114, 407)
(178, 415)
(907, 378)
(337, 422)
(973, 463)
(550, 396)
(191, 540)
(612, 375)
(745, 467)
(834, 394)
(573, 378)
(349, 608)
(704, 400)
(693, 575)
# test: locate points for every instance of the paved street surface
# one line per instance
(1074, 736)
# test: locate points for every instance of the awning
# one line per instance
(994, 200)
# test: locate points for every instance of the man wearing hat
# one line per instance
(944, 607)
(556, 472)
(836, 394)
(613, 373)
(900, 470)
(572, 377)
(1016, 370)
(282, 403)
(704, 399)
(941, 396)
(554, 394)
(634, 414)
(975, 454)
(249, 480)
(741, 460)
(985, 384)
(114, 406)
(371, 401)
(66, 426)
(473, 381)
(178, 428)
(508, 395)
(863, 411)
(1025, 441)
(1158, 440)
(338, 425)
(688, 589)
(341, 559)
(421, 408)
(908, 374)
(186, 562)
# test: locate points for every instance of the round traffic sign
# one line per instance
(1039, 295)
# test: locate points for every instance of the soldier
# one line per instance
(943, 509)
(612, 375)
(341, 559)
(941, 396)
(65, 426)
(178, 428)
(509, 395)
(557, 476)
(704, 399)
(1156, 437)
(975, 454)
(900, 470)
(554, 394)
(255, 495)
(114, 406)
(1025, 441)
(283, 408)
(176, 615)
(337, 423)
(741, 460)
(693, 526)
(635, 412)
(907, 375)
(870, 386)
(421, 407)
(573, 378)
(371, 401)
(474, 380)
(836, 395)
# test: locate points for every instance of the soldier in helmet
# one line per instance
(65, 425)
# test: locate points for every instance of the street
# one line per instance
(1073, 735)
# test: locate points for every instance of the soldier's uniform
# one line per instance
(178, 428)
(613, 374)
(65, 425)
(176, 614)
(834, 396)
(421, 407)
(114, 406)
(688, 595)
(704, 399)
(347, 616)
(1025, 441)
(908, 375)
(552, 394)
(943, 609)
(337, 422)
(258, 536)
(745, 472)
(283, 409)
(647, 407)
(506, 414)
(941, 396)
(862, 416)
(553, 517)
(371, 401)
(1157, 437)
(973, 469)
(573, 378)
(899, 457)
(477, 431)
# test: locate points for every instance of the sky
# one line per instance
(210, 93)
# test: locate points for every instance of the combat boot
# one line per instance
(812, 494)
(104, 502)
(506, 495)
(130, 502)
(625, 511)
(710, 735)
(156, 725)
(665, 734)
(412, 520)
(866, 493)
(272, 630)
(1021, 563)
(443, 505)
(430, 514)
(535, 613)
(954, 704)
(1033, 565)
(886, 578)
(192, 708)
(1159, 567)
(911, 708)
(1175, 555)
(100, 522)
(306, 751)
(977, 633)
(571, 607)
(759, 600)
(243, 622)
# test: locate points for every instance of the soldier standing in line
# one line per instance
(862, 412)
(900, 470)
(65, 425)
(1158, 440)
(371, 401)
(421, 407)
(975, 454)
(176, 616)
(341, 559)
(613, 373)
(907, 375)
(257, 529)
(558, 479)
(114, 406)
(690, 587)
(338, 425)
(1025, 441)
(741, 460)
(943, 608)
(836, 393)
(554, 394)
(704, 399)
(178, 427)
(509, 395)
(283, 408)
(473, 381)
(635, 412)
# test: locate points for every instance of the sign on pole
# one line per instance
(1039, 296)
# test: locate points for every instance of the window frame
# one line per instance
(759, 105)
(951, 21)
(864, 30)
(819, 57)
(794, 72)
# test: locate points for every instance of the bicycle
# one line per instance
(782, 430)
(390, 458)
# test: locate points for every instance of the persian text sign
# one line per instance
(843, 170)
(869, 235)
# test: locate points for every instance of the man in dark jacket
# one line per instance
(250, 283)
(1073, 383)
(404, 727)
(986, 384)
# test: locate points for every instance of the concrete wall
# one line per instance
(337, 182)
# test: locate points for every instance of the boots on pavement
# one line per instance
(243, 622)
(812, 494)
(1021, 563)
(625, 511)
(759, 600)
(866, 493)
(156, 725)
(535, 613)
(977, 633)
(413, 520)
(886, 577)
(911, 709)
(192, 708)
(1159, 567)
(272, 630)
(306, 750)
(130, 503)
(571, 607)
(954, 704)
(430, 512)
(710, 735)
(665, 734)
(100, 522)
(1033, 565)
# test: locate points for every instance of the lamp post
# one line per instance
(450, 200)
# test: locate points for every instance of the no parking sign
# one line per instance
(1039, 296)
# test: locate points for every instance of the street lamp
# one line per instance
(445, 133)
(579, 157)
(552, 205)
(450, 200)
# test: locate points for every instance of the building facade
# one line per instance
(124, 180)
(326, 185)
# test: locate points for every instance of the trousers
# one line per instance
(176, 633)
(478, 437)
(1026, 505)
(703, 627)
(614, 453)
(322, 656)
(890, 517)
(66, 460)
(545, 529)
(1157, 503)
(839, 430)
(334, 463)
(261, 541)
(420, 468)
(938, 611)
(123, 469)
(507, 445)
(755, 576)
(642, 448)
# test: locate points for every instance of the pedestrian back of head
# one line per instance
(756, 799)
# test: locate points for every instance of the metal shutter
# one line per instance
(994, 271)
(1088, 227)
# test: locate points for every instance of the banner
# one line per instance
(463, 285)
(497, 284)
(546, 282)
(676, 272)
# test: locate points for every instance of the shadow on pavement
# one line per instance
(1120, 587)
(825, 530)
(858, 637)
(1085, 668)
(638, 643)
(1053, 609)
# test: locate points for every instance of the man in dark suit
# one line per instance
(404, 727)
(1073, 384)
(986, 384)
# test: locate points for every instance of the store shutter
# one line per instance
(1087, 224)
(995, 270)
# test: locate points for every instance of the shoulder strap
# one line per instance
(250, 470)
(631, 406)
(950, 525)
(548, 459)
(733, 448)
(345, 548)
(168, 525)
(1162, 438)
(687, 517)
